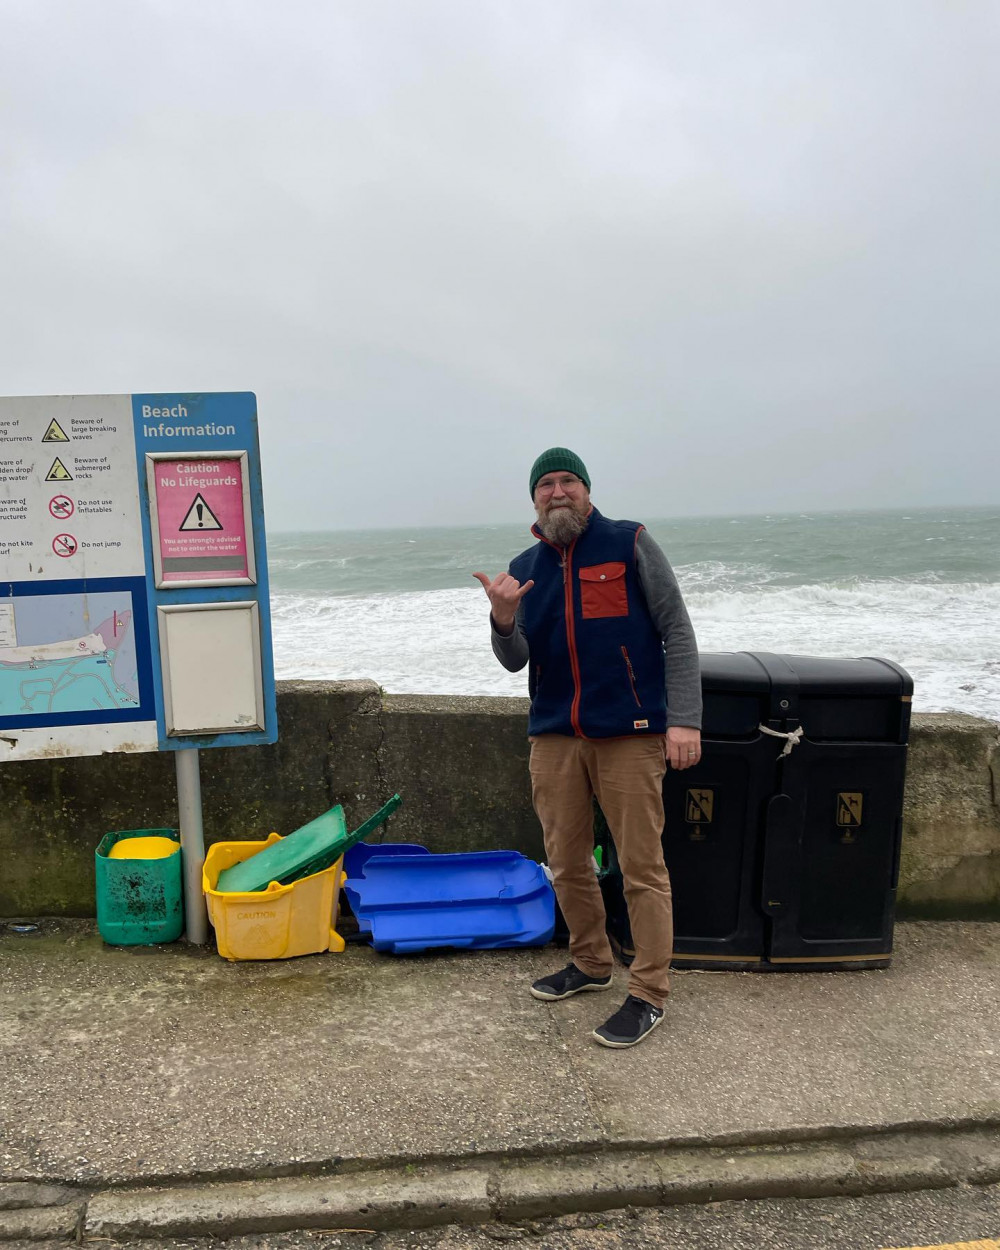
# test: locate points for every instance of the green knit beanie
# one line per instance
(556, 459)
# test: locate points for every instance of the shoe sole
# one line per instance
(625, 1045)
(554, 998)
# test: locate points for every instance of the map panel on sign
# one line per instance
(8, 635)
(72, 654)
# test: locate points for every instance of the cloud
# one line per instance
(740, 256)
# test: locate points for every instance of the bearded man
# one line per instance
(595, 611)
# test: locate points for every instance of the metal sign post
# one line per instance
(192, 844)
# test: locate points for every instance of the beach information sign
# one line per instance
(133, 577)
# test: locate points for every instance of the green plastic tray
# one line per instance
(330, 855)
(308, 850)
(286, 859)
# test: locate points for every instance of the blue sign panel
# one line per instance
(134, 606)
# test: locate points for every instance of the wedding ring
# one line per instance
(692, 753)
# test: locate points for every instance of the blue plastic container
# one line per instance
(359, 854)
(479, 901)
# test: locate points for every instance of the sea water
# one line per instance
(921, 587)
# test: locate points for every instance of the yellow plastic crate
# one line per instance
(279, 922)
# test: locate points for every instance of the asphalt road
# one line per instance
(929, 1218)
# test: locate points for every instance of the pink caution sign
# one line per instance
(200, 518)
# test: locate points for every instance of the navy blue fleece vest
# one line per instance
(596, 666)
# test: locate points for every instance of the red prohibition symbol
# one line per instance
(64, 545)
(61, 507)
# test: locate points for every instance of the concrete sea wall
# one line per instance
(461, 765)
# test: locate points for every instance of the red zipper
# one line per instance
(574, 660)
(631, 677)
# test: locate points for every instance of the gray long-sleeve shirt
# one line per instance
(670, 616)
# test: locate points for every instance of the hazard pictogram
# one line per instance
(849, 806)
(64, 545)
(55, 433)
(61, 507)
(202, 530)
(200, 516)
(58, 472)
(699, 807)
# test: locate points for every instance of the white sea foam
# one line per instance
(437, 642)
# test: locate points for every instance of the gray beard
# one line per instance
(562, 525)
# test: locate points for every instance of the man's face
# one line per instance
(562, 503)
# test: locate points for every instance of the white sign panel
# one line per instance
(69, 496)
(212, 675)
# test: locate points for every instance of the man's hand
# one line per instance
(504, 593)
(683, 747)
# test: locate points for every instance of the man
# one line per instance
(594, 609)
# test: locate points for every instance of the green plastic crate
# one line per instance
(140, 902)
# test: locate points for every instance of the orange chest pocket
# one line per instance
(602, 591)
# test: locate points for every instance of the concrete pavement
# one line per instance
(163, 1091)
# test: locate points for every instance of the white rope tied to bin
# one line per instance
(791, 739)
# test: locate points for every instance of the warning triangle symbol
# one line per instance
(55, 433)
(200, 516)
(58, 472)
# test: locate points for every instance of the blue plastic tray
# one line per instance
(480, 901)
(359, 854)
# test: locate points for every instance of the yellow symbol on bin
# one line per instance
(699, 806)
(699, 812)
(849, 805)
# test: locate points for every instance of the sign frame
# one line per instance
(249, 607)
(242, 458)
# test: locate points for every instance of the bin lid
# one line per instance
(288, 857)
(754, 673)
(734, 671)
(840, 677)
(144, 848)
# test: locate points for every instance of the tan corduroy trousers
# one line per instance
(626, 775)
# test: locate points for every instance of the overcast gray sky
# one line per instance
(743, 256)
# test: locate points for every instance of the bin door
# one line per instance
(832, 845)
(711, 844)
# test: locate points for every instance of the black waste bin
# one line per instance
(783, 841)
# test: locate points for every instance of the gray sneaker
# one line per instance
(634, 1020)
(567, 982)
